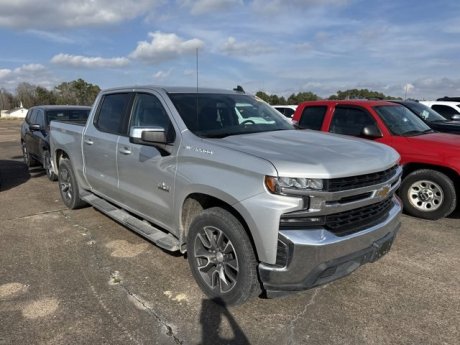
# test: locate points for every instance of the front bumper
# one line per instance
(316, 256)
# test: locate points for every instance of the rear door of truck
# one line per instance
(100, 142)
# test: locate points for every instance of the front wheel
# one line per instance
(221, 257)
(428, 194)
(30, 162)
(68, 186)
(48, 167)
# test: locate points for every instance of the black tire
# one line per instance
(48, 167)
(30, 162)
(428, 194)
(68, 186)
(221, 257)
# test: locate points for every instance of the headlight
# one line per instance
(292, 185)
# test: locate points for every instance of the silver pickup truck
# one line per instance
(257, 205)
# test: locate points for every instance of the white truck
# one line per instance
(257, 205)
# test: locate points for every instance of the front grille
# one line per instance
(344, 183)
(345, 223)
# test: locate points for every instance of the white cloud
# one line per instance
(35, 14)
(50, 36)
(165, 46)
(276, 6)
(232, 47)
(89, 62)
(198, 7)
(30, 73)
(162, 75)
(408, 88)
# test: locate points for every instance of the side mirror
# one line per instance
(456, 117)
(35, 127)
(371, 132)
(148, 136)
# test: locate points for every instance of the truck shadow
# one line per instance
(12, 174)
(213, 312)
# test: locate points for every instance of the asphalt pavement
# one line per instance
(77, 277)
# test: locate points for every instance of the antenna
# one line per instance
(196, 70)
(196, 97)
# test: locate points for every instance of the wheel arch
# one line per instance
(449, 172)
(195, 203)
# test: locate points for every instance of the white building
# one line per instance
(20, 113)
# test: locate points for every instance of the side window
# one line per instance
(312, 117)
(350, 121)
(149, 112)
(444, 110)
(33, 117)
(29, 116)
(288, 112)
(111, 113)
(40, 120)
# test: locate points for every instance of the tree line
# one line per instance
(76, 92)
(80, 92)
(299, 97)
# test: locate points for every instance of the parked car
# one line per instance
(449, 109)
(431, 118)
(224, 177)
(431, 164)
(35, 132)
(286, 110)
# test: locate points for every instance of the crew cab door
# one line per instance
(37, 137)
(100, 143)
(146, 172)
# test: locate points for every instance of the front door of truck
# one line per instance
(100, 143)
(146, 173)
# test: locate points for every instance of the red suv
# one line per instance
(431, 160)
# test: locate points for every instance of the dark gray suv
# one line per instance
(35, 132)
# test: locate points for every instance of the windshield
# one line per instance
(76, 115)
(425, 112)
(401, 121)
(221, 115)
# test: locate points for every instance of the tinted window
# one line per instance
(111, 113)
(444, 110)
(424, 112)
(149, 112)
(33, 117)
(40, 119)
(312, 117)
(350, 121)
(77, 115)
(29, 116)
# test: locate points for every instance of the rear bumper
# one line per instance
(315, 257)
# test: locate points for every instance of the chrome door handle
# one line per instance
(89, 142)
(125, 150)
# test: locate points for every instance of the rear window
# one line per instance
(76, 115)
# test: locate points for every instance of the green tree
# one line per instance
(44, 96)
(262, 95)
(359, 94)
(6, 100)
(302, 97)
(77, 92)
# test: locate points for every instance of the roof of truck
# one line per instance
(174, 89)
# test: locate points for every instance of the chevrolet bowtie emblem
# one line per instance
(383, 192)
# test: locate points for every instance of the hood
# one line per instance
(305, 153)
(441, 142)
(447, 126)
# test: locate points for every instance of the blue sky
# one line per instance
(276, 46)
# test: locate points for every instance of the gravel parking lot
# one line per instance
(77, 277)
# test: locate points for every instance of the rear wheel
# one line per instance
(428, 194)
(68, 186)
(221, 257)
(48, 167)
